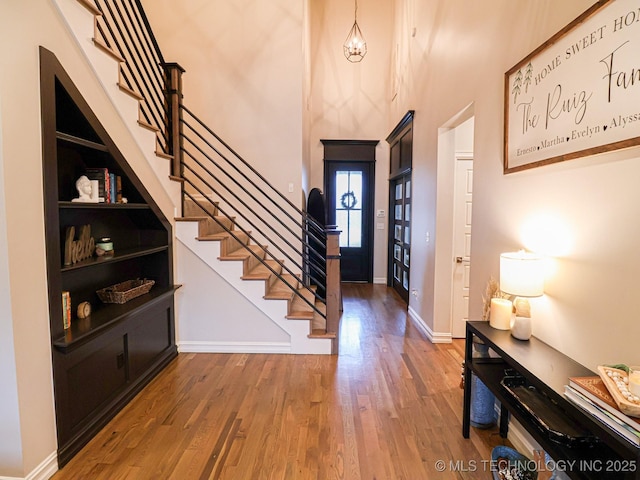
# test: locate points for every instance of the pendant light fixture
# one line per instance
(355, 47)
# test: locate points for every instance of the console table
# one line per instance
(546, 371)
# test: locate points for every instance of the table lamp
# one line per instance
(521, 275)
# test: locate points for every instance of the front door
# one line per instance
(350, 190)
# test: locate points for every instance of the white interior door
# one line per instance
(463, 190)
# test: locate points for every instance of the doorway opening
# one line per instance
(454, 223)
(349, 183)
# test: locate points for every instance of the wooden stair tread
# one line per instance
(161, 154)
(190, 219)
(279, 290)
(89, 5)
(199, 208)
(103, 46)
(261, 272)
(301, 310)
(148, 126)
(132, 93)
(213, 237)
(300, 315)
(319, 333)
(242, 253)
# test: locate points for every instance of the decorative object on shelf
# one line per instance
(125, 291)
(552, 423)
(509, 464)
(355, 46)
(501, 313)
(66, 309)
(521, 275)
(617, 381)
(634, 381)
(84, 309)
(87, 191)
(496, 309)
(483, 413)
(104, 247)
(77, 250)
(491, 290)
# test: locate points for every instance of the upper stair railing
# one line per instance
(213, 174)
(124, 29)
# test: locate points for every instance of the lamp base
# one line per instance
(521, 327)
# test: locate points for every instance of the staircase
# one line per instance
(275, 265)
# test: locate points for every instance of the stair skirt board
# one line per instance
(233, 347)
(253, 291)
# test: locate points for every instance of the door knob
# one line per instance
(461, 260)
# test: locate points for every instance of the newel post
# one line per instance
(173, 104)
(334, 289)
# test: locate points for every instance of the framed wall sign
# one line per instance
(578, 93)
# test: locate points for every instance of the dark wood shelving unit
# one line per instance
(102, 361)
(546, 370)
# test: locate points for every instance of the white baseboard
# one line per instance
(44, 471)
(380, 280)
(433, 337)
(234, 347)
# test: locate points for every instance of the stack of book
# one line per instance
(591, 394)
(109, 184)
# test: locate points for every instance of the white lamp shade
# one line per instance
(522, 274)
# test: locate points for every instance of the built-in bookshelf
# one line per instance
(101, 361)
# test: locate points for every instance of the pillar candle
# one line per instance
(500, 314)
(634, 381)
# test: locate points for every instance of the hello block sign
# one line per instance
(579, 93)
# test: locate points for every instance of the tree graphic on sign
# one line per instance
(517, 84)
(528, 73)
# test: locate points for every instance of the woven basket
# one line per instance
(125, 291)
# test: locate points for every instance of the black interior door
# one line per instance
(350, 190)
(400, 241)
(400, 160)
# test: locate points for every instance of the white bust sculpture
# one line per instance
(85, 190)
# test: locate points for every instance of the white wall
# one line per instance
(350, 101)
(10, 451)
(209, 324)
(458, 56)
(24, 26)
(244, 70)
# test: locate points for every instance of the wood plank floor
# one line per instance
(388, 407)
